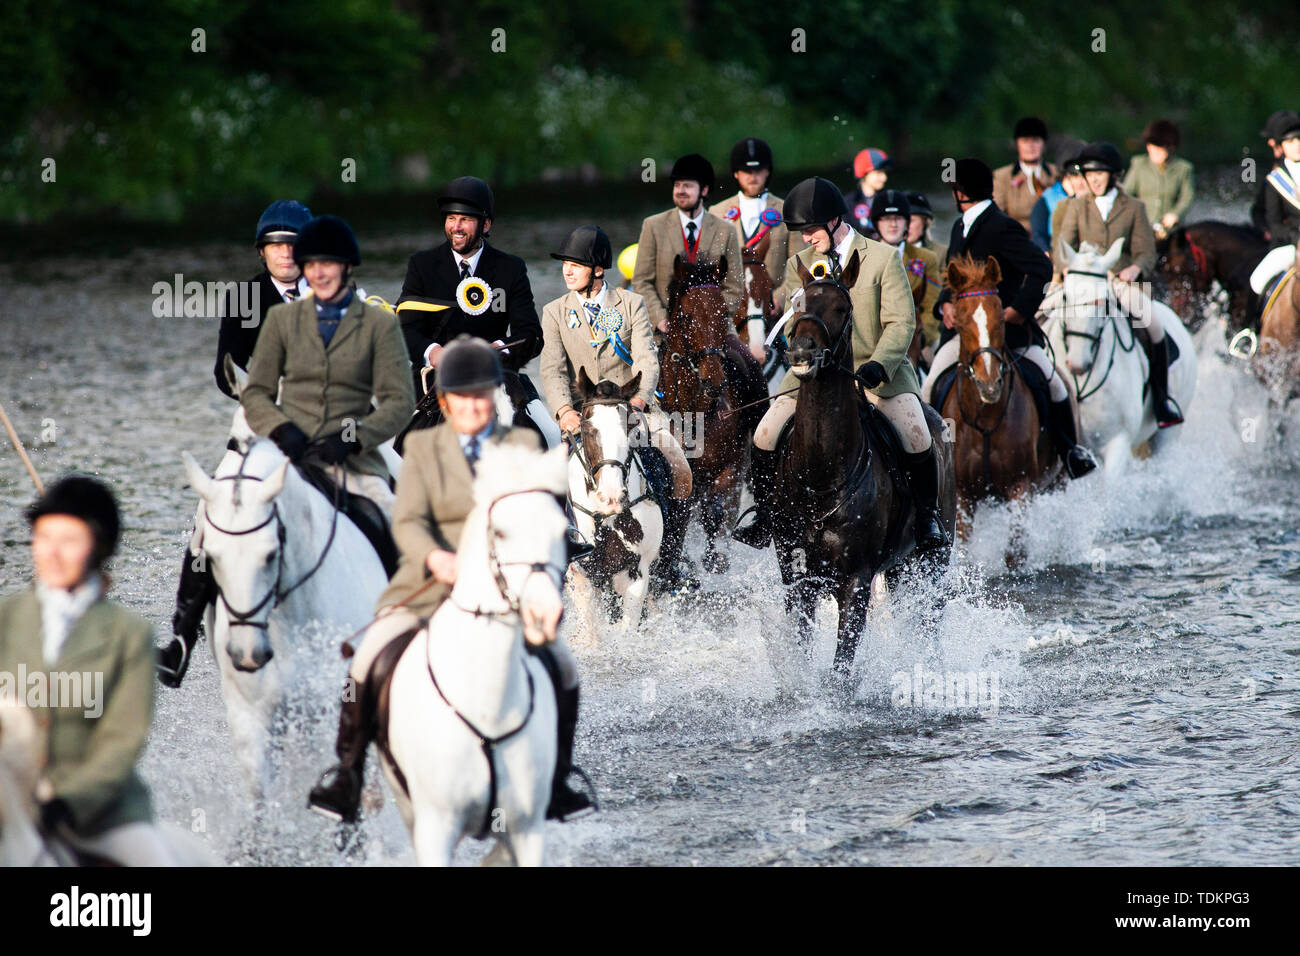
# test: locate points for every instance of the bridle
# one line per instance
(590, 469)
(495, 564)
(1086, 389)
(968, 367)
(828, 356)
(693, 359)
(275, 596)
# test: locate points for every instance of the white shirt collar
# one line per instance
(482, 436)
(301, 285)
(974, 212)
(1293, 168)
(1031, 170)
(60, 610)
(698, 220)
(472, 259)
(1105, 201)
(598, 298)
(842, 250)
(750, 210)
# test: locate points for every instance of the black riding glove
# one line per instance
(335, 448)
(871, 374)
(291, 440)
(54, 814)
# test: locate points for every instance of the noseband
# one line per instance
(968, 367)
(829, 356)
(274, 597)
(495, 564)
(692, 359)
(592, 469)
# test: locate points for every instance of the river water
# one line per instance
(1128, 695)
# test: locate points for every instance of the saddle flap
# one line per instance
(360, 510)
(380, 677)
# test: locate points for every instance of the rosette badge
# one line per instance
(820, 269)
(473, 295)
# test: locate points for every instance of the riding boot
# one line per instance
(757, 531)
(670, 572)
(1167, 411)
(196, 591)
(923, 479)
(340, 798)
(1078, 459)
(565, 801)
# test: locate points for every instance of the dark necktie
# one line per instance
(690, 237)
(836, 270)
(291, 293)
(471, 451)
(592, 310)
(464, 269)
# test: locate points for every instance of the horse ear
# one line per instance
(992, 272)
(679, 268)
(805, 277)
(198, 478)
(1068, 255)
(234, 375)
(850, 273)
(631, 388)
(585, 386)
(1113, 253)
(954, 276)
(273, 484)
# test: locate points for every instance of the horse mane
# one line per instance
(1244, 231)
(968, 269)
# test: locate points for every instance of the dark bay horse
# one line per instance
(1193, 257)
(1001, 448)
(703, 378)
(839, 516)
(1277, 362)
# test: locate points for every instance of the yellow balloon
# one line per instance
(627, 261)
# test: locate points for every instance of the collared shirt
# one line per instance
(750, 210)
(1293, 168)
(1105, 201)
(1031, 172)
(481, 438)
(301, 285)
(842, 250)
(974, 212)
(598, 300)
(60, 610)
(471, 259)
(698, 220)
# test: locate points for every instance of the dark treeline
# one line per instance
(147, 120)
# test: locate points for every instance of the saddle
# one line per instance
(1027, 370)
(880, 436)
(363, 513)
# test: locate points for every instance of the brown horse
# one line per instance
(703, 378)
(1193, 257)
(1002, 449)
(1277, 362)
(757, 285)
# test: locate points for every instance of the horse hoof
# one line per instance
(715, 562)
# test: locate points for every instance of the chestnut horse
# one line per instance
(1194, 257)
(1277, 363)
(701, 387)
(839, 516)
(1002, 448)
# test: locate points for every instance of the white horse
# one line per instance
(1107, 361)
(284, 560)
(468, 669)
(613, 507)
(22, 748)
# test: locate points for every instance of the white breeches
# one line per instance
(134, 844)
(903, 411)
(949, 354)
(1273, 264)
(394, 620)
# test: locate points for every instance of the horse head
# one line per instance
(240, 536)
(980, 324)
(758, 282)
(606, 446)
(823, 320)
(519, 521)
(698, 325)
(1088, 300)
(1185, 267)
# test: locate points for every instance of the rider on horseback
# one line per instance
(751, 165)
(918, 228)
(884, 319)
(434, 497)
(607, 332)
(1101, 216)
(89, 784)
(1281, 205)
(1018, 186)
(465, 286)
(871, 168)
(891, 212)
(334, 354)
(984, 231)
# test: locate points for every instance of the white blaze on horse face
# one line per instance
(754, 307)
(982, 326)
(611, 489)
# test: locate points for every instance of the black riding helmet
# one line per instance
(920, 205)
(1101, 156)
(1029, 126)
(751, 154)
(587, 246)
(469, 196)
(90, 500)
(694, 167)
(889, 202)
(281, 222)
(469, 365)
(327, 238)
(813, 202)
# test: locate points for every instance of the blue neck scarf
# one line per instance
(329, 314)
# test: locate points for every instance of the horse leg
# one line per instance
(801, 610)
(1116, 453)
(853, 594)
(527, 845)
(434, 837)
(722, 508)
